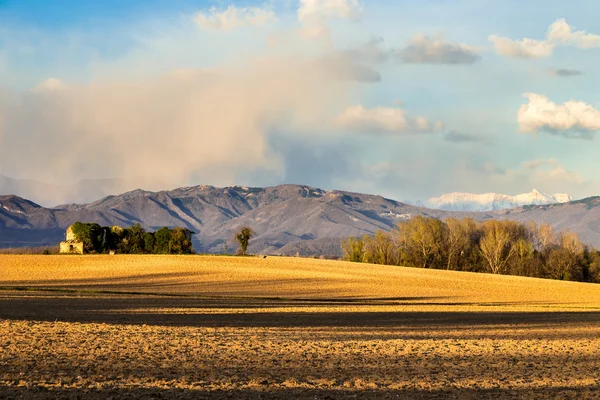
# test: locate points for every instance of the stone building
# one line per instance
(71, 245)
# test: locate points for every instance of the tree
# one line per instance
(592, 263)
(458, 240)
(497, 246)
(90, 234)
(179, 243)
(243, 238)
(523, 257)
(563, 265)
(353, 249)
(162, 241)
(546, 237)
(149, 242)
(566, 261)
(421, 240)
(380, 249)
(133, 242)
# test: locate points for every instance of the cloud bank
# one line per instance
(199, 126)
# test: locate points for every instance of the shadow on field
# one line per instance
(197, 312)
(293, 393)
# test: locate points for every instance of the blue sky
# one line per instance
(405, 99)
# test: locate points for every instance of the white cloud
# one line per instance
(425, 50)
(572, 119)
(525, 48)
(234, 17)
(384, 120)
(317, 10)
(314, 14)
(560, 33)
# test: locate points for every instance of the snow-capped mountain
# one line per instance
(494, 201)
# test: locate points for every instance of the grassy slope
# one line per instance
(287, 277)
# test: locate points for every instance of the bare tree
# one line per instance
(458, 239)
(546, 236)
(497, 246)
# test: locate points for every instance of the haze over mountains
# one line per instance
(494, 201)
(82, 191)
(287, 218)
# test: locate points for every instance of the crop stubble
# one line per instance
(228, 327)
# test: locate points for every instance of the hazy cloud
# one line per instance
(560, 33)
(565, 72)
(461, 137)
(533, 164)
(172, 127)
(50, 84)
(425, 50)
(574, 119)
(234, 17)
(357, 63)
(552, 169)
(384, 120)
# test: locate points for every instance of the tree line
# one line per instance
(493, 246)
(132, 240)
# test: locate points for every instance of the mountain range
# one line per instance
(288, 219)
(494, 201)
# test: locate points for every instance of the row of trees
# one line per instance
(132, 240)
(499, 247)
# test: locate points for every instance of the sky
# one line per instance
(404, 99)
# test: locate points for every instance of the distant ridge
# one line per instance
(494, 201)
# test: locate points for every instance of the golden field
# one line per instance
(249, 327)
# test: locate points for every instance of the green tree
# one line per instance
(135, 239)
(162, 241)
(90, 234)
(149, 242)
(243, 237)
(180, 242)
